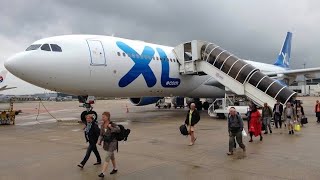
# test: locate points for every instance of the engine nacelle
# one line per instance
(142, 101)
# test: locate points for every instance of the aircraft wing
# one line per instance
(308, 72)
(3, 88)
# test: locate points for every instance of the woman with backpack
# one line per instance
(110, 143)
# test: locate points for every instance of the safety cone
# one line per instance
(127, 108)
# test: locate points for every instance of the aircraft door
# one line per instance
(97, 54)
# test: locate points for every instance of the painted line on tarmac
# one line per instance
(44, 121)
(35, 115)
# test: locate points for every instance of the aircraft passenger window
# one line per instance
(55, 48)
(45, 47)
(124, 54)
(170, 59)
(157, 58)
(153, 58)
(118, 53)
(33, 47)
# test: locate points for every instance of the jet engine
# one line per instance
(142, 101)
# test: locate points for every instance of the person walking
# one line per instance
(266, 116)
(300, 113)
(317, 111)
(235, 127)
(277, 111)
(255, 123)
(92, 132)
(289, 116)
(110, 143)
(193, 117)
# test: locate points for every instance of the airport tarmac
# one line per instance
(46, 149)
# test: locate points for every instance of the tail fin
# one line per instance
(3, 75)
(283, 59)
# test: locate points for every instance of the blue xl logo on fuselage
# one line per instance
(141, 66)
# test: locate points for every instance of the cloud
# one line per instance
(250, 29)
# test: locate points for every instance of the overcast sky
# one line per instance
(250, 29)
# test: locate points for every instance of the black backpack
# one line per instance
(123, 134)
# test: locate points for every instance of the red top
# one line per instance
(255, 123)
(317, 108)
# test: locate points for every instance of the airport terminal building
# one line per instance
(307, 88)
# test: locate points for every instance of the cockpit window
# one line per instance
(56, 48)
(45, 47)
(33, 47)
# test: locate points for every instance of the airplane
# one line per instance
(3, 75)
(106, 66)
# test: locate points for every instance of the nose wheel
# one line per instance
(87, 102)
(85, 113)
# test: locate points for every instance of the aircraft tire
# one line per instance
(83, 117)
(84, 113)
(95, 115)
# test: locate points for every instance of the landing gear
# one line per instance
(196, 101)
(85, 113)
(87, 102)
(205, 105)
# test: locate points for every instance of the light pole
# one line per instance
(305, 81)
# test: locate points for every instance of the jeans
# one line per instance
(277, 120)
(238, 136)
(266, 122)
(92, 147)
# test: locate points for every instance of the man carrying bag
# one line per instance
(235, 128)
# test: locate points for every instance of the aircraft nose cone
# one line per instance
(13, 64)
(9, 64)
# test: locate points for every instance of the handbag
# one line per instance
(184, 130)
(304, 120)
(244, 133)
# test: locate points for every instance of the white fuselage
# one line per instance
(95, 65)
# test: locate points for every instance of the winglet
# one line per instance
(283, 59)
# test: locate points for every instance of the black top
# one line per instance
(302, 111)
(280, 108)
(93, 134)
(194, 119)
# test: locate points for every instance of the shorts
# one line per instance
(191, 128)
(109, 156)
(290, 121)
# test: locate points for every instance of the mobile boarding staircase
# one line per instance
(201, 58)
